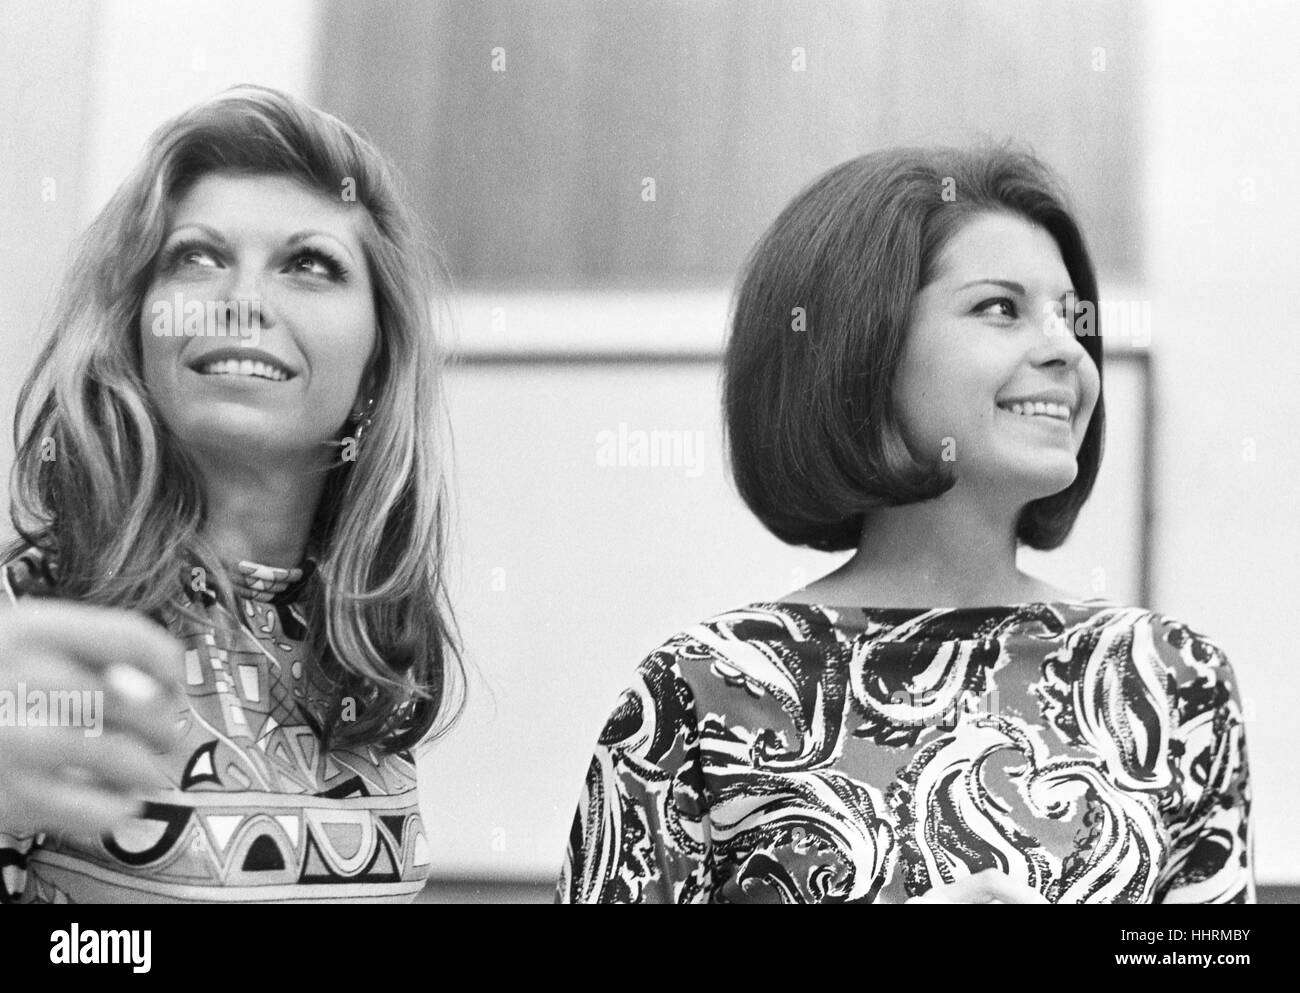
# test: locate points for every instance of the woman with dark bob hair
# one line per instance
(914, 372)
(229, 505)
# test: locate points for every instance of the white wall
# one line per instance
(1224, 88)
(45, 54)
(153, 58)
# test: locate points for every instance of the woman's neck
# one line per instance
(260, 514)
(952, 551)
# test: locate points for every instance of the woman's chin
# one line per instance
(252, 438)
(1042, 474)
(1042, 480)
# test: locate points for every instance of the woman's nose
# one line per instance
(248, 298)
(1057, 341)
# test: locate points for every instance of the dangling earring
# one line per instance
(362, 419)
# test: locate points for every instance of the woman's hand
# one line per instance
(116, 673)
(987, 886)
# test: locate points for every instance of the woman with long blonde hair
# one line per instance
(249, 452)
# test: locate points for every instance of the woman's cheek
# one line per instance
(154, 353)
(925, 431)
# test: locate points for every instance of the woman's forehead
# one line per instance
(236, 203)
(1001, 246)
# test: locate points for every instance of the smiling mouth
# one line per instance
(1056, 412)
(252, 368)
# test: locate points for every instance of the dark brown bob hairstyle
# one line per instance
(818, 326)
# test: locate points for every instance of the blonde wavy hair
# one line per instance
(119, 509)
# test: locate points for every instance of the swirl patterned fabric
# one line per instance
(248, 807)
(790, 753)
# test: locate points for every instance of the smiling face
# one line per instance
(293, 257)
(985, 332)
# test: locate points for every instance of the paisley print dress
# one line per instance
(248, 808)
(791, 753)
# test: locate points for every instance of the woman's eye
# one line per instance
(182, 254)
(998, 307)
(324, 264)
(312, 262)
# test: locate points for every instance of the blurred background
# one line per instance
(596, 171)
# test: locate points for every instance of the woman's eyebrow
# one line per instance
(1008, 284)
(306, 233)
(211, 232)
(1011, 285)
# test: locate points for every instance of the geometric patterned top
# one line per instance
(793, 753)
(247, 808)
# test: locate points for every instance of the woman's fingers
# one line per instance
(102, 638)
(986, 886)
(55, 779)
(113, 762)
(67, 690)
(28, 805)
(1001, 888)
(96, 695)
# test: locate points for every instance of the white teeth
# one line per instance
(244, 367)
(1040, 408)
